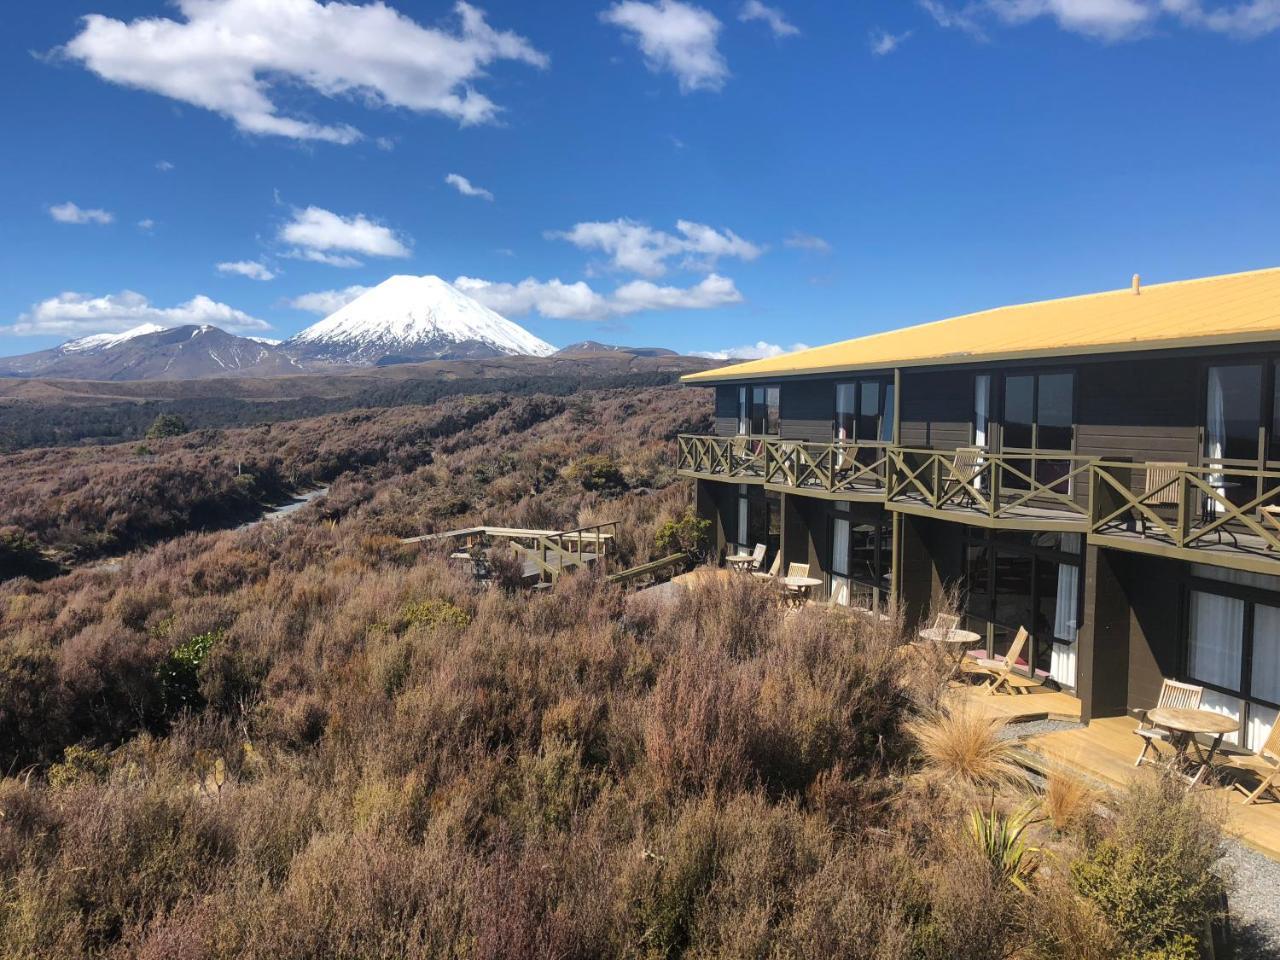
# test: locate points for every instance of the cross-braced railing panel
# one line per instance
(835, 467)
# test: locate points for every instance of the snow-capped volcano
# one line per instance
(414, 318)
(105, 341)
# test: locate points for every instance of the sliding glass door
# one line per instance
(1233, 428)
(759, 411)
(1039, 418)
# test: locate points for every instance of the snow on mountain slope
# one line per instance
(414, 317)
(104, 341)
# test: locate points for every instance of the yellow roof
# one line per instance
(1234, 308)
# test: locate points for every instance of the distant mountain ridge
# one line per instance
(595, 347)
(151, 352)
(406, 319)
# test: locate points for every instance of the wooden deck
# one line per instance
(1040, 703)
(1105, 751)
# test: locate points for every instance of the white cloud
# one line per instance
(246, 268)
(465, 187)
(1111, 20)
(638, 248)
(797, 240)
(325, 302)
(231, 56)
(79, 314)
(676, 37)
(883, 42)
(164, 166)
(146, 224)
(772, 16)
(323, 236)
(70, 213)
(557, 300)
(759, 350)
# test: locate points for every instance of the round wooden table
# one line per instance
(740, 562)
(797, 589)
(1184, 724)
(961, 641)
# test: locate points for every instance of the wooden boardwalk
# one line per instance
(1040, 703)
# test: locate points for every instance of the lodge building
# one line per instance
(1099, 469)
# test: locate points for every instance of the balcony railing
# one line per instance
(1214, 512)
(1005, 486)
(1220, 506)
(835, 467)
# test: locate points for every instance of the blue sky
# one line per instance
(703, 176)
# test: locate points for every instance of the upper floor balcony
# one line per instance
(841, 470)
(1223, 512)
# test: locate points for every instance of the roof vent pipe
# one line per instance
(1137, 284)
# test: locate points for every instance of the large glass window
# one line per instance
(1233, 648)
(759, 410)
(862, 556)
(1017, 580)
(864, 411)
(1233, 412)
(1039, 413)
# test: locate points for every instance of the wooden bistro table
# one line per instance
(796, 589)
(740, 562)
(1194, 763)
(959, 641)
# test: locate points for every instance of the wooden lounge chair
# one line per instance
(1174, 695)
(1001, 671)
(774, 569)
(1269, 755)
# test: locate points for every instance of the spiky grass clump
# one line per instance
(960, 747)
(1069, 800)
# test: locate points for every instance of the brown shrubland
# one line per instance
(306, 739)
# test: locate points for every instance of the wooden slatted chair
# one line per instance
(757, 557)
(1160, 488)
(1002, 671)
(796, 595)
(965, 468)
(1269, 755)
(774, 569)
(1173, 695)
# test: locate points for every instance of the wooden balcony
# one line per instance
(836, 470)
(1204, 514)
(1027, 491)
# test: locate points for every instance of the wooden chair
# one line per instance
(757, 557)
(1269, 755)
(1001, 670)
(1173, 695)
(774, 569)
(1271, 518)
(965, 468)
(1160, 488)
(796, 595)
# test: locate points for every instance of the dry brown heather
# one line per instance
(306, 740)
(466, 457)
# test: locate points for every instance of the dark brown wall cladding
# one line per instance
(1102, 670)
(1139, 410)
(937, 407)
(1155, 626)
(717, 502)
(807, 409)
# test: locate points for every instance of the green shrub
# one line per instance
(688, 533)
(166, 425)
(1153, 876)
(431, 614)
(179, 674)
(598, 474)
(79, 765)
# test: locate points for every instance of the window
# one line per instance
(981, 410)
(1014, 580)
(864, 411)
(862, 556)
(1038, 418)
(758, 411)
(1233, 648)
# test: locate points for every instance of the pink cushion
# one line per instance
(979, 654)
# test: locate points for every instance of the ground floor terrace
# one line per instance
(1107, 624)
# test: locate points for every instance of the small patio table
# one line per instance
(1196, 764)
(740, 562)
(959, 640)
(797, 588)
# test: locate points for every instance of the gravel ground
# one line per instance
(1254, 898)
(1035, 728)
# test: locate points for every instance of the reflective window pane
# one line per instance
(1054, 411)
(1233, 405)
(886, 420)
(1264, 669)
(1019, 411)
(846, 410)
(869, 410)
(1217, 637)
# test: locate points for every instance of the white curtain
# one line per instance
(1226, 705)
(1216, 424)
(1217, 635)
(840, 547)
(743, 532)
(1062, 660)
(981, 409)
(744, 413)
(1264, 680)
(1261, 719)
